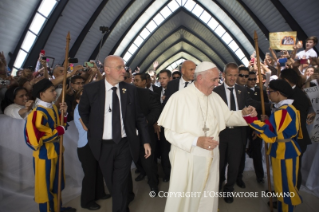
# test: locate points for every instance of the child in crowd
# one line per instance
(281, 130)
(92, 183)
(42, 132)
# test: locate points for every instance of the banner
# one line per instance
(313, 116)
(282, 40)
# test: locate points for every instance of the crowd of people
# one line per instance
(152, 116)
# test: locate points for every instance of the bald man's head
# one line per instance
(114, 69)
(188, 70)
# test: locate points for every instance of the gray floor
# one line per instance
(144, 203)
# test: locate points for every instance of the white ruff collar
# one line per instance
(44, 104)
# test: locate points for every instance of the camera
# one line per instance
(104, 29)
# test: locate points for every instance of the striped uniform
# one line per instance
(282, 131)
(42, 136)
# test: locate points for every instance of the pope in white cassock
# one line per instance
(193, 118)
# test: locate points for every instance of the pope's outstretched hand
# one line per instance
(250, 110)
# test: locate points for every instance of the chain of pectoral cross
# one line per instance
(205, 129)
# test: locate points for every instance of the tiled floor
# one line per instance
(144, 203)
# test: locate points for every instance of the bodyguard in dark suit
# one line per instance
(151, 108)
(232, 139)
(164, 146)
(111, 112)
(188, 70)
(301, 103)
(150, 86)
(255, 143)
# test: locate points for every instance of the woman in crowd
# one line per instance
(92, 184)
(309, 71)
(16, 103)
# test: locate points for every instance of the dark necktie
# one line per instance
(186, 83)
(232, 100)
(116, 118)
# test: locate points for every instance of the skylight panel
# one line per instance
(28, 41)
(166, 12)
(190, 5)
(226, 38)
(169, 68)
(132, 49)
(145, 33)
(213, 23)
(198, 10)
(179, 2)
(46, 7)
(127, 56)
(245, 61)
(205, 17)
(20, 59)
(233, 45)
(173, 6)
(239, 54)
(138, 41)
(220, 30)
(37, 23)
(158, 19)
(151, 26)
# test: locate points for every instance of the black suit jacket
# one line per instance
(243, 100)
(302, 103)
(157, 90)
(91, 110)
(255, 95)
(172, 87)
(150, 107)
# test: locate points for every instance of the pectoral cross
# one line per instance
(205, 129)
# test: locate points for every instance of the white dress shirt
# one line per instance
(151, 87)
(182, 83)
(228, 95)
(162, 94)
(107, 129)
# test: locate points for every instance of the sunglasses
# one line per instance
(242, 75)
(252, 79)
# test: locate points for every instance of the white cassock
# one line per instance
(194, 169)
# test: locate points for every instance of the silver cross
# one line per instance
(205, 129)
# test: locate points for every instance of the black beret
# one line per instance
(41, 86)
(282, 86)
